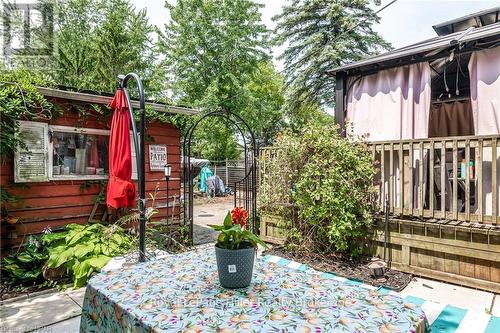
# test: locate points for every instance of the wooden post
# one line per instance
(467, 180)
(227, 174)
(455, 180)
(421, 178)
(479, 175)
(391, 178)
(444, 180)
(340, 85)
(410, 158)
(431, 179)
(400, 182)
(494, 187)
(382, 177)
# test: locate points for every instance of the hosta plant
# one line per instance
(25, 267)
(233, 233)
(87, 248)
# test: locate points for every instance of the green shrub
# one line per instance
(20, 100)
(84, 249)
(25, 267)
(329, 181)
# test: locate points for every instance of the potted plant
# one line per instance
(235, 250)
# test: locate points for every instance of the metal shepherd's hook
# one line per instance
(139, 149)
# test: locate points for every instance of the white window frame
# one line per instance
(79, 130)
(83, 130)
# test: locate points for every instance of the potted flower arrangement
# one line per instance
(235, 250)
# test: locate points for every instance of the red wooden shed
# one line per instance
(60, 179)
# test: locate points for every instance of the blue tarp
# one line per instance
(204, 174)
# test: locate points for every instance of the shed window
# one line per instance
(79, 154)
(63, 152)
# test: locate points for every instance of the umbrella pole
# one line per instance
(139, 148)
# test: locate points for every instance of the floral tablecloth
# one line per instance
(181, 293)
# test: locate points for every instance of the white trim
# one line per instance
(83, 130)
(78, 177)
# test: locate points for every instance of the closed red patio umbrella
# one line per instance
(121, 191)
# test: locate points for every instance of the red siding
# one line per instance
(56, 203)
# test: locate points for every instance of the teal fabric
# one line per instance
(493, 325)
(204, 174)
(448, 320)
(415, 300)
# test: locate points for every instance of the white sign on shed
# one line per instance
(157, 157)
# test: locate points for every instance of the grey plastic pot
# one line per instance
(235, 267)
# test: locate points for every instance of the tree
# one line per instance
(212, 48)
(264, 109)
(97, 40)
(321, 35)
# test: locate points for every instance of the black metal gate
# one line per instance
(244, 189)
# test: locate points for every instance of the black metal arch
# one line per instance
(244, 189)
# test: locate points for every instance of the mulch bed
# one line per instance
(7, 292)
(354, 268)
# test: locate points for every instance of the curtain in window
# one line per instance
(451, 119)
(484, 71)
(392, 104)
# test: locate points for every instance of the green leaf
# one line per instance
(52, 237)
(56, 259)
(253, 238)
(228, 220)
(24, 257)
(81, 250)
(216, 227)
(74, 226)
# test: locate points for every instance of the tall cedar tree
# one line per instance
(320, 35)
(212, 48)
(97, 40)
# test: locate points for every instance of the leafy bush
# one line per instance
(84, 249)
(25, 267)
(20, 100)
(329, 181)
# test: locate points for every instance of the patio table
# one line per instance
(181, 293)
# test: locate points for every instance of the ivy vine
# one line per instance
(20, 100)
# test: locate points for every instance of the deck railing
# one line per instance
(452, 178)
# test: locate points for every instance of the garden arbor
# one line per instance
(244, 189)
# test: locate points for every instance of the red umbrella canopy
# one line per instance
(121, 191)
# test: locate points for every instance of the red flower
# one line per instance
(239, 216)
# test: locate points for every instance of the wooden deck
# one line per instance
(451, 234)
(443, 178)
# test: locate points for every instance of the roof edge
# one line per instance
(102, 99)
(422, 47)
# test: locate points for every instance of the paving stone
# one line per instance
(68, 326)
(77, 295)
(33, 313)
(203, 234)
(445, 293)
